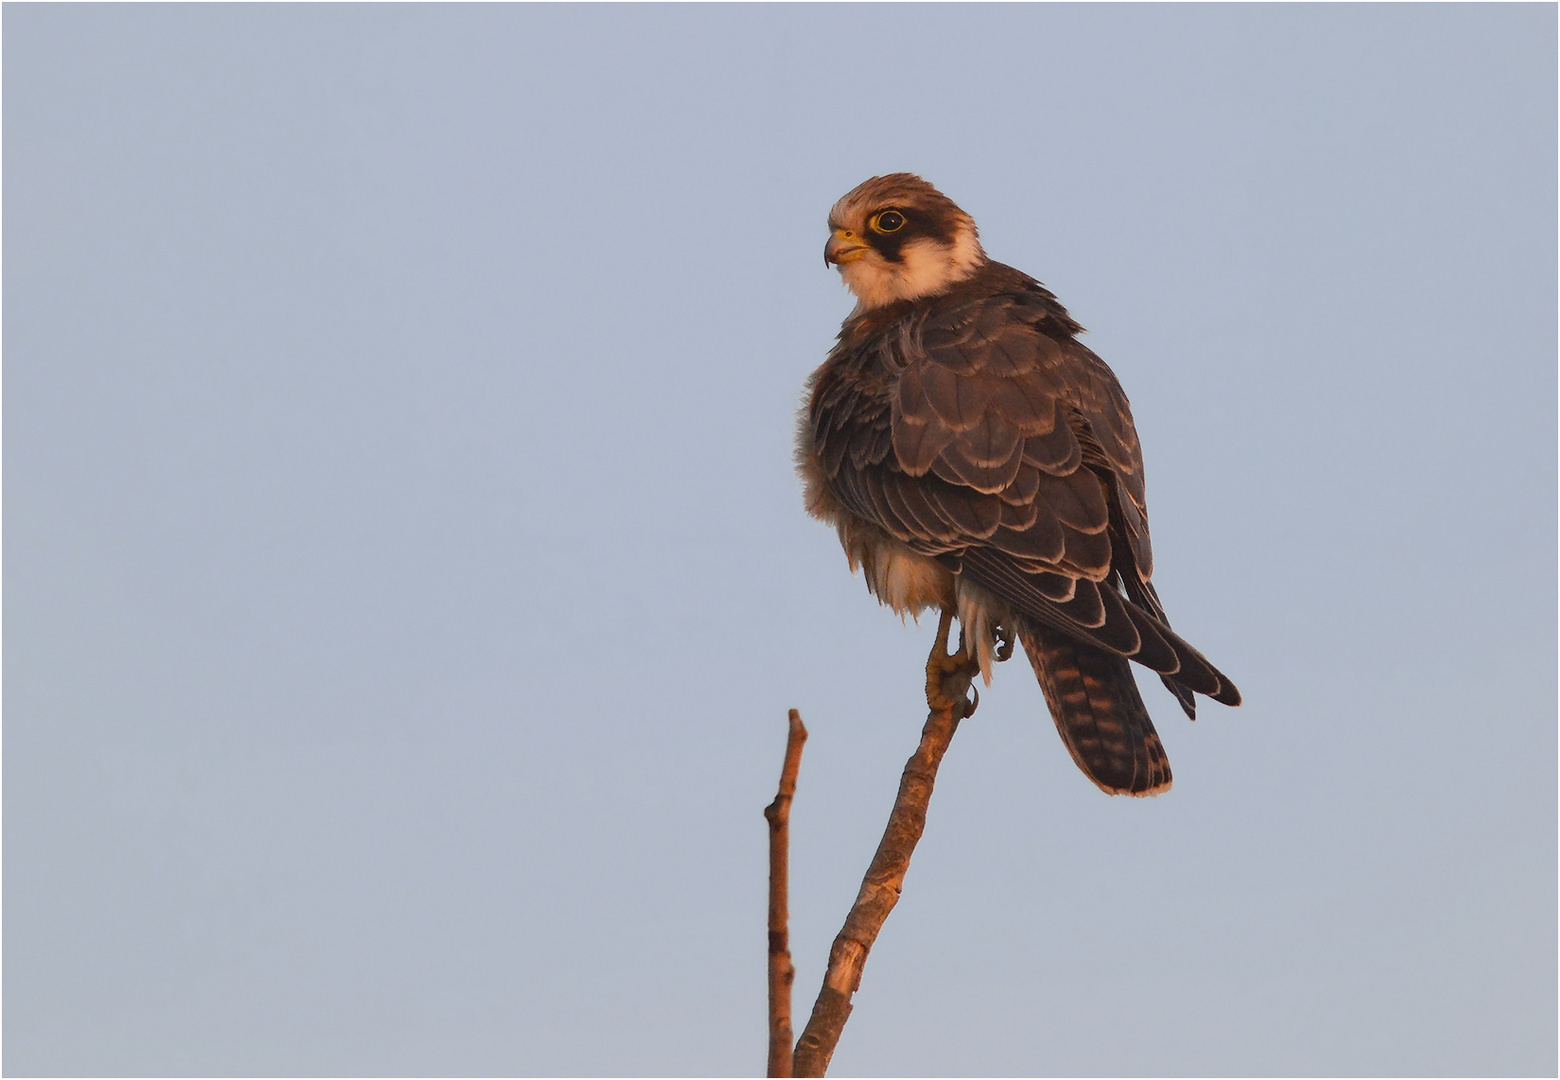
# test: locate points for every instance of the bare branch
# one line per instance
(782, 973)
(947, 684)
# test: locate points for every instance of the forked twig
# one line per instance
(782, 973)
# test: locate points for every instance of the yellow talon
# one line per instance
(949, 676)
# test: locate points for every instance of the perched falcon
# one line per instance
(978, 460)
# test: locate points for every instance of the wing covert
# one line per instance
(984, 437)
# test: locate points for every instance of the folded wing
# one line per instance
(986, 437)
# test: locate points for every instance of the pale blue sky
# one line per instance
(406, 581)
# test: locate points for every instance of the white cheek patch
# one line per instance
(925, 267)
(930, 267)
(872, 279)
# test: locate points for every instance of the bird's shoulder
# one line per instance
(996, 297)
(994, 352)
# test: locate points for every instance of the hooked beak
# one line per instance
(843, 247)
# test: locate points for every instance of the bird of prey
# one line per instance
(977, 460)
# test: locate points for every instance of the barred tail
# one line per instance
(1098, 712)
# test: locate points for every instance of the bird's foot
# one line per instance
(1004, 643)
(948, 676)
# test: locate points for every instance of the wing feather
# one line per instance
(1055, 452)
(1019, 517)
(909, 507)
(918, 444)
(977, 516)
(986, 456)
(1077, 500)
(1043, 541)
(983, 435)
(956, 401)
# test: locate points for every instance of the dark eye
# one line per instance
(888, 221)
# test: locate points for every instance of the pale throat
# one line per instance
(926, 267)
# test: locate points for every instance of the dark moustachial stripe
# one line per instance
(920, 222)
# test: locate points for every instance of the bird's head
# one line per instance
(896, 237)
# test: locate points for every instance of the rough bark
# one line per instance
(885, 877)
(782, 973)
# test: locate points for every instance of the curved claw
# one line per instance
(945, 673)
(1004, 643)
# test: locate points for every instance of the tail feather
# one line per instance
(1098, 712)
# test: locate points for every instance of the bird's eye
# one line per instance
(888, 221)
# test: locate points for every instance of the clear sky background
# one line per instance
(406, 580)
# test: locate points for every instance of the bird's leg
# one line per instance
(949, 676)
